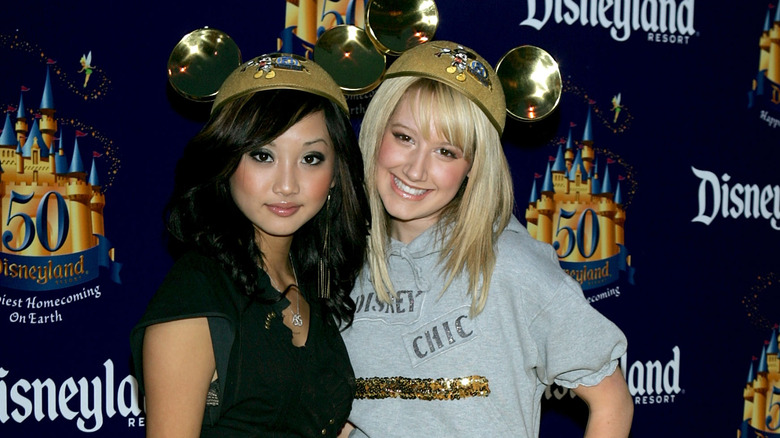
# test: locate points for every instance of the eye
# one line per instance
(261, 156)
(313, 159)
(447, 153)
(403, 137)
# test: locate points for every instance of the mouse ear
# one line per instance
(200, 62)
(532, 83)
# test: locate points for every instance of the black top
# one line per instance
(267, 387)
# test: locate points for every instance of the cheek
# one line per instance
(388, 156)
(320, 184)
(244, 181)
(450, 177)
(236, 183)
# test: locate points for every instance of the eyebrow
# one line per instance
(315, 141)
(306, 143)
(444, 143)
(399, 125)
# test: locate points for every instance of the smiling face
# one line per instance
(281, 185)
(418, 172)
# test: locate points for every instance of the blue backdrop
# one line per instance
(691, 159)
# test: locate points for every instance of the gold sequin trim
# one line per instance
(422, 389)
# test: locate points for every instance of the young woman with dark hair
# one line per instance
(268, 222)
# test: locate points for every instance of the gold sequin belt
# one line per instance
(422, 389)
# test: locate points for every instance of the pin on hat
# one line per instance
(459, 67)
(279, 71)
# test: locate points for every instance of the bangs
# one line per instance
(453, 116)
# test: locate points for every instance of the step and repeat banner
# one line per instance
(656, 179)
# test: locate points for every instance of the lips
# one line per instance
(407, 191)
(283, 210)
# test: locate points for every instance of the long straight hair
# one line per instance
(201, 215)
(470, 224)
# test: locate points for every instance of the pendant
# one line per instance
(297, 320)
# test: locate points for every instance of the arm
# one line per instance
(345, 431)
(178, 365)
(610, 405)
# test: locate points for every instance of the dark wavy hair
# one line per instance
(202, 216)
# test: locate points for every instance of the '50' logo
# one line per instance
(578, 236)
(40, 224)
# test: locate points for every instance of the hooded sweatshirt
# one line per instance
(425, 368)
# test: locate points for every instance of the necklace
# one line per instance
(296, 316)
(297, 320)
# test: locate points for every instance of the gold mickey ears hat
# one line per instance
(280, 71)
(459, 67)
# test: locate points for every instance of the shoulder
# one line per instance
(196, 278)
(516, 249)
(195, 286)
(193, 266)
(528, 268)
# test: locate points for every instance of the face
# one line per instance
(416, 177)
(281, 185)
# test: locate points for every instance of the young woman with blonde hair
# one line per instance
(462, 319)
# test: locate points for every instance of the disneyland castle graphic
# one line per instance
(581, 213)
(761, 417)
(51, 207)
(766, 85)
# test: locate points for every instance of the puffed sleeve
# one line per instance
(194, 287)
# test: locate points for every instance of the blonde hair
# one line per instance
(479, 212)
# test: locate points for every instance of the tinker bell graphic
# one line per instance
(616, 107)
(86, 67)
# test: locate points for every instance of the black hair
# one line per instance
(202, 216)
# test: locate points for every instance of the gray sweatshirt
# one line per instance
(432, 371)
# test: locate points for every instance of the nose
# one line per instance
(416, 167)
(285, 179)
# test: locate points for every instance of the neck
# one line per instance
(276, 259)
(406, 231)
